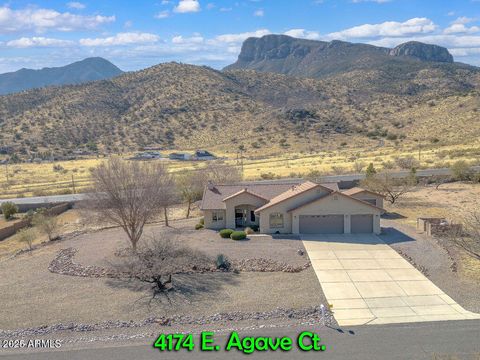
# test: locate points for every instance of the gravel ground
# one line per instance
(32, 296)
(427, 254)
(106, 242)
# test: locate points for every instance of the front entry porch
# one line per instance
(245, 216)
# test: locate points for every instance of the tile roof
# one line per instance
(293, 191)
(213, 198)
(358, 190)
(338, 193)
(246, 191)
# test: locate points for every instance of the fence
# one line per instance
(12, 229)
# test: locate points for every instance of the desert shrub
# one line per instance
(199, 226)
(238, 235)
(8, 210)
(26, 236)
(202, 221)
(249, 230)
(225, 233)
(222, 262)
(407, 162)
(461, 171)
(48, 224)
(255, 228)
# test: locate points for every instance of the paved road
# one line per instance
(335, 178)
(412, 341)
(367, 282)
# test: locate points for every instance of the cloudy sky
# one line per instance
(138, 34)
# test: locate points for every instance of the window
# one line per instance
(276, 220)
(252, 216)
(217, 216)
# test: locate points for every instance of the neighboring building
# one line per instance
(180, 156)
(365, 195)
(204, 155)
(291, 206)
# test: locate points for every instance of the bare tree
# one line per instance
(391, 188)
(158, 260)
(48, 224)
(467, 236)
(190, 187)
(129, 194)
(220, 174)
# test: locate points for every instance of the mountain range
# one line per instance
(306, 96)
(89, 69)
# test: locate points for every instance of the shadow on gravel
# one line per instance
(393, 216)
(187, 287)
(391, 235)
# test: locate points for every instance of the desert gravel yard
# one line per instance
(32, 296)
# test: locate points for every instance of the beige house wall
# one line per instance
(242, 199)
(210, 224)
(283, 208)
(336, 205)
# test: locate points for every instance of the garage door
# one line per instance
(361, 224)
(321, 224)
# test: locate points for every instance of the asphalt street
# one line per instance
(399, 341)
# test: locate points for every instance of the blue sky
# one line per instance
(138, 34)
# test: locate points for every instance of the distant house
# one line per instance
(204, 155)
(298, 207)
(148, 155)
(180, 156)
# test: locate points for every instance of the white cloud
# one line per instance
(259, 13)
(127, 38)
(461, 29)
(388, 28)
(236, 38)
(76, 5)
(162, 14)
(195, 39)
(187, 6)
(41, 20)
(303, 34)
(463, 20)
(26, 42)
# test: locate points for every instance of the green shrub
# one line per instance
(225, 233)
(202, 221)
(462, 171)
(8, 210)
(199, 226)
(238, 235)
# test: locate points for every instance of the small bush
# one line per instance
(225, 233)
(249, 230)
(8, 210)
(462, 171)
(222, 262)
(199, 226)
(238, 235)
(202, 221)
(27, 236)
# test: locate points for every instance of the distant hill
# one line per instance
(316, 59)
(183, 106)
(90, 69)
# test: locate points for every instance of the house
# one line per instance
(180, 156)
(204, 155)
(292, 206)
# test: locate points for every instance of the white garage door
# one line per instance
(361, 224)
(321, 224)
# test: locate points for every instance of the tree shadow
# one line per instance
(187, 288)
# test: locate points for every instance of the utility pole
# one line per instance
(73, 184)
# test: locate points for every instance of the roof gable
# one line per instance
(341, 194)
(293, 192)
(245, 191)
(359, 190)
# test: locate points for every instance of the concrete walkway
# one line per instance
(367, 282)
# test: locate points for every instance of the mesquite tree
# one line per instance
(130, 194)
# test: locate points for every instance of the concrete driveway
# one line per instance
(367, 282)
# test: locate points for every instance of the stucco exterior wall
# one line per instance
(336, 205)
(242, 199)
(214, 225)
(283, 208)
(367, 196)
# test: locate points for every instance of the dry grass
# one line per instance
(42, 179)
